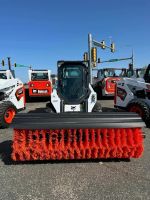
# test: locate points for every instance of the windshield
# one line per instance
(107, 73)
(72, 82)
(110, 73)
(39, 76)
(72, 73)
(3, 76)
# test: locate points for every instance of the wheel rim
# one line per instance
(137, 110)
(9, 115)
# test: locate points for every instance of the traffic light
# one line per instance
(3, 63)
(99, 60)
(103, 46)
(85, 56)
(15, 65)
(112, 47)
(94, 54)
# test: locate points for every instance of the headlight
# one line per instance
(19, 93)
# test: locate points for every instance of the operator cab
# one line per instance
(7, 74)
(3, 75)
(73, 81)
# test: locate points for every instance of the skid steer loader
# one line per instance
(12, 98)
(76, 128)
(40, 83)
(106, 79)
(133, 94)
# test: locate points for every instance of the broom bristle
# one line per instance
(77, 144)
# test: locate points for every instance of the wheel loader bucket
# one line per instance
(77, 136)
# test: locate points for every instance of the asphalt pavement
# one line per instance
(73, 180)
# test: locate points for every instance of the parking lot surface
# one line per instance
(72, 180)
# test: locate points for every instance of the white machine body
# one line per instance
(56, 102)
(128, 89)
(11, 89)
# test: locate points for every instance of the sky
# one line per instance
(41, 32)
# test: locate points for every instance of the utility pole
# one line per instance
(89, 52)
(9, 63)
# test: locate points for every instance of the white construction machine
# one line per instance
(12, 98)
(133, 94)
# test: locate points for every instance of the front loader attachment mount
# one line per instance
(77, 136)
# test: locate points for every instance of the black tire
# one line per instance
(28, 98)
(50, 108)
(99, 94)
(4, 106)
(97, 107)
(98, 89)
(144, 107)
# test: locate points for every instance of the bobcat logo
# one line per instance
(73, 108)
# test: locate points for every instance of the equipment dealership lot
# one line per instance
(109, 179)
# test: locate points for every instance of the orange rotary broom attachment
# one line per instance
(77, 136)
